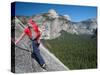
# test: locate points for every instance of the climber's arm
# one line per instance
(22, 35)
(40, 31)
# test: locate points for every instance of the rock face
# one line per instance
(24, 63)
(51, 24)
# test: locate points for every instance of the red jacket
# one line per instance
(34, 27)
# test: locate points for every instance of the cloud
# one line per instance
(53, 13)
(68, 17)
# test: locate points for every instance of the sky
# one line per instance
(77, 13)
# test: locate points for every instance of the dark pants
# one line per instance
(36, 53)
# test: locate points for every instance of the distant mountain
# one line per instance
(52, 23)
(86, 27)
